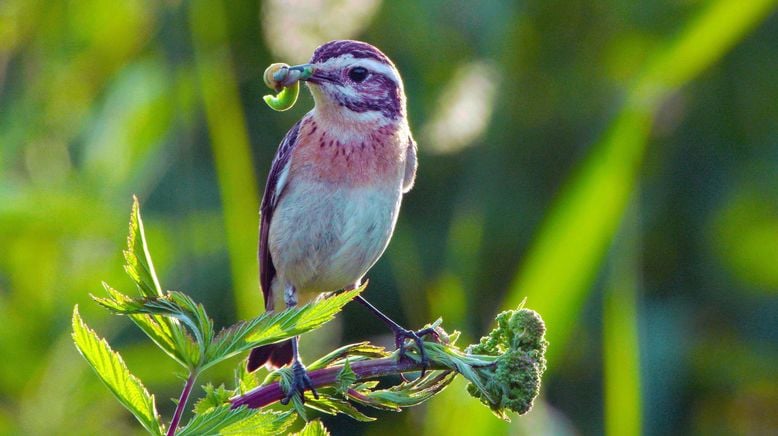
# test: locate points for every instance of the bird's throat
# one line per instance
(359, 154)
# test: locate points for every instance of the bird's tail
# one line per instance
(273, 355)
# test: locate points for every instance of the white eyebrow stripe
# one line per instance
(378, 67)
(372, 65)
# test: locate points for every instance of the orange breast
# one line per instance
(372, 156)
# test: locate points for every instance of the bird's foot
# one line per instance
(401, 335)
(299, 384)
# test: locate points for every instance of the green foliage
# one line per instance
(166, 332)
(280, 326)
(513, 381)
(588, 212)
(359, 350)
(181, 327)
(313, 428)
(346, 378)
(224, 420)
(110, 368)
(139, 265)
(331, 403)
(214, 397)
(406, 394)
(265, 329)
(504, 370)
(161, 315)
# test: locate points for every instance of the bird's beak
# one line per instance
(288, 75)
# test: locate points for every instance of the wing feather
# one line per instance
(411, 162)
(276, 180)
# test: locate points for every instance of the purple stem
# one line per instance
(182, 400)
(364, 369)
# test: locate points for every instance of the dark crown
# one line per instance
(358, 49)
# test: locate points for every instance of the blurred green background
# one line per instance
(614, 162)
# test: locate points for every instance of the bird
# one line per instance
(334, 191)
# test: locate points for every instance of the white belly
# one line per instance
(324, 238)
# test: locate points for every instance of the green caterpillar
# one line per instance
(287, 95)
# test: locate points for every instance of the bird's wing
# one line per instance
(276, 180)
(411, 162)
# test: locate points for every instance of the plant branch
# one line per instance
(182, 400)
(363, 369)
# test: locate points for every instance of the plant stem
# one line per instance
(364, 369)
(182, 400)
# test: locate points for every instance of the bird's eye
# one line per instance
(358, 74)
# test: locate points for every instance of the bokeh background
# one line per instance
(613, 162)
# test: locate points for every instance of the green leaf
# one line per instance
(224, 420)
(182, 307)
(167, 333)
(110, 368)
(214, 397)
(406, 394)
(152, 315)
(156, 327)
(263, 422)
(138, 260)
(313, 428)
(266, 329)
(244, 380)
(118, 302)
(345, 378)
(331, 405)
(285, 375)
(355, 351)
(272, 327)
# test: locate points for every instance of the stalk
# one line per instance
(182, 400)
(364, 370)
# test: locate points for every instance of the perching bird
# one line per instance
(334, 190)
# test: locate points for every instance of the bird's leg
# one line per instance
(401, 334)
(300, 379)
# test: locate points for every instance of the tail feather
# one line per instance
(273, 355)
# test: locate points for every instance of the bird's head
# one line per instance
(354, 82)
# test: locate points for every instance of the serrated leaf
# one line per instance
(265, 329)
(244, 380)
(169, 338)
(292, 322)
(224, 420)
(117, 302)
(266, 422)
(112, 371)
(406, 394)
(138, 260)
(157, 328)
(359, 350)
(153, 316)
(370, 384)
(214, 397)
(168, 334)
(313, 428)
(275, 327)
(183, 308)
(345, 378)
(285, 375)
(331, 405)
(173, 304)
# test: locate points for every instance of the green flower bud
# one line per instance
(512, 381)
